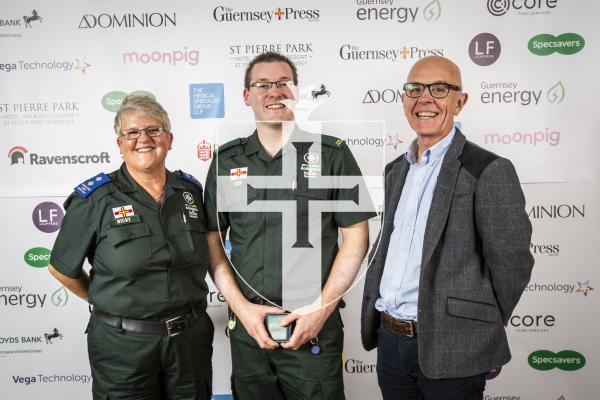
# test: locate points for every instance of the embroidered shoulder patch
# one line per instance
(85, 188)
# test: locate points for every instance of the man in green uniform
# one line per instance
(309, 364)
(142, 229)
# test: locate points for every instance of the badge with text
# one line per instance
(311, 165)
(124, 215)
(188, 197)
(238, 173)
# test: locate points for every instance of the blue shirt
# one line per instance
(399, 288)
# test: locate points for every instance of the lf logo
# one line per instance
(301, 215)
(47, 217)
(484, 49)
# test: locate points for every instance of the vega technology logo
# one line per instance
(385, 11)
(112, 101)
(79, 64)
(207, 100)
(565, 44)
(566, 360)
(512, 93)
(228, 14)
(499, 8)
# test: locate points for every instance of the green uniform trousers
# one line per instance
(288, 374)
(142, 366)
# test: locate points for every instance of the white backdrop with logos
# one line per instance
(529, 66)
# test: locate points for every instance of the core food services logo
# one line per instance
(229, 14)
(385, 11)
(499, 8)
(64, 65)
(112, 101)
(20, 155)
(128, 20)
(37, 257)
(207, 100)
(526, 323)
(34, 113)
(301, 53)
(351, 52)
(484, 49)
(566, 360)
(169, 57)
(565, 44)
(509, 92)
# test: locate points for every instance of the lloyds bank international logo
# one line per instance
(112, 101)
(566, 360)
(566, 44)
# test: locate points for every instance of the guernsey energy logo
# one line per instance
(566, 360)
(566, 44)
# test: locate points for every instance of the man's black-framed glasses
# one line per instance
(152, 131)
(264, 86)
(438, 90)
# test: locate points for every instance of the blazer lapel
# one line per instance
(442, 197)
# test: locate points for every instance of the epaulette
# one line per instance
(85, 188)
(187, 177)
(332, 141)
(231, 144)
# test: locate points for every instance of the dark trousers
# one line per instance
(400, 377)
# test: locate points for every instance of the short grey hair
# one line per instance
(143, 105)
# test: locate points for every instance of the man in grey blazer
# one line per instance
(453, 256)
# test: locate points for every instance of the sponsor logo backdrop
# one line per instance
(530, 68)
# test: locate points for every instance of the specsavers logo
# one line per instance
(566, 360)
(112, 101)
(546, 44)
(37, 257)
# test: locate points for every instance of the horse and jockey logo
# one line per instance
(322, 91)
(33, 17)
(55, 334)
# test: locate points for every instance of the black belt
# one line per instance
(405, 327)
(170, 326)
(266, 302)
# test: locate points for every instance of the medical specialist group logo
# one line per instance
(566, 44)
(175, 57)
(546, 360)
(352, 52)
(510, 92)
(207, 100)
(57, 112)
(240, 54)
(500, 8)
(64, 65)
(20, 155)
(385, 11)
(274, 15)
(146, 20)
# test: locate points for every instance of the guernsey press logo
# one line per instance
(566, 360)
(228, 14)
(499, 8)
(128, 20)
(356, 366)
(112, 101)
(168, 57)
(484, 49)
(77, 65)
(37, 257)
(546, 249)
(301, 53)
(384, 11)
(20, 155)
(565, 44)
(508, 92)
(351, 52)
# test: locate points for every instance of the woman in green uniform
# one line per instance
(142, 230)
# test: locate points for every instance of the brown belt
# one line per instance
(403, 327)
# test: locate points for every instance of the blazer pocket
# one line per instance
(473, 310)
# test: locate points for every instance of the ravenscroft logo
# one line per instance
(383, 11)
(16, 155)
(207, 100)
(60, 297)
(191, 57)
(510, 93)
(228, 14)
(355, 366)
(523, 7)
(47, 217)
(301, 53)
(39, 113)
(545, 249)
(542, 137)
(532, 323)
(374, 96)
(566, 360)
(546, 44)
(350, 52)
(37, 257)
(79, 64)
(557, 211)
(39, 159)
(112, 101)
(129, 20)
(484, 49)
